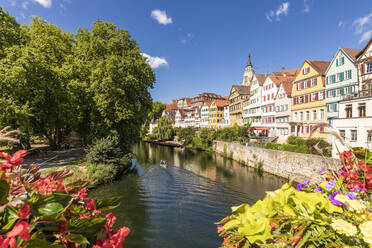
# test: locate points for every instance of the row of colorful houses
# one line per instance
(293, 102)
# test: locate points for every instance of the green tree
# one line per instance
(110, 83)
(10, 32)
(154, 114)
(186, 134)
(33, 93)
(164, 130)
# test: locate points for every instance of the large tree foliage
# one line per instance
(164, 130)
(94, 82)
(111, 82)
(10, 32)
(154, 114)
(33, 83)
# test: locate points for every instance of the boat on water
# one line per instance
(163, 163)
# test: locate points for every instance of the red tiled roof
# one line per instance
(352, 53)
(261, 78)
(320, 66)
(287, 86)
(243, 90)
(221, 103)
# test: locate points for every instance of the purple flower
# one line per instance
(331, 197)
(331, 184)
(351, 195)
(317, 189)
(304, 183)
(340, 172)
(323, 169)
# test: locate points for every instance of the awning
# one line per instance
(260, 128)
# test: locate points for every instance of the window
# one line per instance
(306, 70)
(362, 109)
(335, 107)
(348, 74)
(301, 116)
(314, 115)
(321, 114)
(354, 135)
(369, 136)
(342, 133)
(300, 99)
(307, 115)
(349, 111)
(313, 97)
(295, 116)
(333, 78)
(321, 95)
(369, 67)
(313, 82)
(340, 61)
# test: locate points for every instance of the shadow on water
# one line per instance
(178, 205)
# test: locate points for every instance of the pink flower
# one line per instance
(24, 212)
(90, 205)
(110, 221)
(114, 240)
(220, 229)
(20, 230)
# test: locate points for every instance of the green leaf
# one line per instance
(50, 208)
(77, 238)
(85, 226)
(107, 203)
(4, 191)
(40, 243)
(9, 218)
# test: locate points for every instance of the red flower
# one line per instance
(83, 216)
(273, 225)
(12, 161)
(114, 240)
(110, 221)
(90, 205)
(220, 229)
(48, 185)
(351, 175)
(20, 230)
(296, 239)
(368, 176)
(363, 166)
(24, 212)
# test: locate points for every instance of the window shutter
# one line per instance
(326, 80)
(316, 96)
(349, 74)
(315, 81)
(336, 62)
(343, 60)
(327, 107)
(303, 71)
(308, 83)
(342, 76)
(362, 68)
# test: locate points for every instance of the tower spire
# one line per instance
(249, 60)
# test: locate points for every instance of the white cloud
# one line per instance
(307, 7)
(362, 23)
(44, 3)
(340, 23)
(25, 5)
(155, 62)
(282, 10)
(161, 17)
(365, 36)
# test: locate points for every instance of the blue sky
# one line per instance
(203, 45)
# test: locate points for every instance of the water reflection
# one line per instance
(177, 206)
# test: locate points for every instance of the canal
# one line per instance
(178, 205)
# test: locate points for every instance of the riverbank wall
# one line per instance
(293, 166)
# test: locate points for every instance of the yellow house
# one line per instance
(216, 112)
(309, 100)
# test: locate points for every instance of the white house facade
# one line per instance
(341, 80)
(269, 91)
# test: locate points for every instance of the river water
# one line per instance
(178, 205)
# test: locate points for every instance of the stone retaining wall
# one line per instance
(291, 165)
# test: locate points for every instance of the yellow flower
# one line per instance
(366, 230)
(342, 198)
(343, 227)
(356, 206)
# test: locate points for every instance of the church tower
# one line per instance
(248, 73)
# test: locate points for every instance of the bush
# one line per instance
(102, 173)
(273, 146)
(289, 148)
(185, 134)
(104, 151)
(310, 145)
